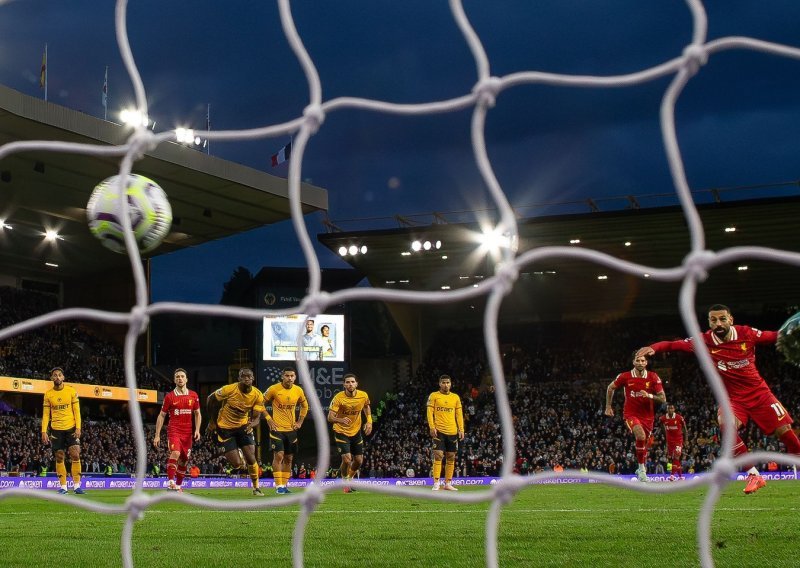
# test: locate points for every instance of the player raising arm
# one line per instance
(345, 414)
(733, 350)
(642, 388)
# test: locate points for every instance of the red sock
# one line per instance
(676, 468)
(180, 474)
(790, 440)
(172, 465)
(641, 451)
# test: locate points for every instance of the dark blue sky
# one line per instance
(737, 120)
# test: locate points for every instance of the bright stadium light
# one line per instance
(134, 117)
(730, 229)
(343, 250)
(363, 249)
(416, 246)
(574, 241)
(602, 277)
(52, 236)
(353, 250)
(427, 245)
(627, 243)
(4, 225)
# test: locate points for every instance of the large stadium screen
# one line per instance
(322, 339)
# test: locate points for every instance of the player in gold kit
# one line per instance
(446, 423)
(234, 411)
(345, 414)
(284, 424)
(61, 428)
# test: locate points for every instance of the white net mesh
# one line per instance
(693, 270)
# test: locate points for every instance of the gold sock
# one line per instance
(76, 473)
(448, 471)
(61, 472)
(437, 469)
(253, 471)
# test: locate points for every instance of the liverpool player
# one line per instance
(674, 428)
(642, 388)
(181, 405)
(284, 424)
(234, 410)
(733, 350)
(61, 427)
(345, 414)
(446, 423)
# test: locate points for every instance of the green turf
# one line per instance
(553, 525)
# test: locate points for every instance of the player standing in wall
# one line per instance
(284, 424)
(446, 424)
(345, 414)
(181, 405)
(61, 428)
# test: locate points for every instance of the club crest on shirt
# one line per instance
(743, 346)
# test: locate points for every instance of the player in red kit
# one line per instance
(642, 389)
(181, 405)
(733, 350)
(674, 428)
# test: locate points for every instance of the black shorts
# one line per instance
(353, 445)
(235, 438)
(285, 442)
(446, 442)
(63, 439)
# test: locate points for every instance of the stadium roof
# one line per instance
(211, 198)
(572, 289)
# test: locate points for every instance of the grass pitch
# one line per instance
(551, 525)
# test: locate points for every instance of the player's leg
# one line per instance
(640, 442)
(181, 464)
(75, 469)
(172, 464)
(438, 456)
(249, 452)
(61, 467)
(449, 468)
(344, 468)
(288, 459)
(741, 415)
(277, 467)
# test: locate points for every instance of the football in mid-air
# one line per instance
(148, 208)
(789, 339)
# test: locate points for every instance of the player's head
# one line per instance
(720, 320)
(445, 383)
(670, 410)
(57, 376)
(325, 330)
(246, 379)
(640, 362)
(288, 377)
(350, 383)
(180, 377)
(309, 325)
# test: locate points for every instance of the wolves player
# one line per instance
(61, 427)
(345, 414)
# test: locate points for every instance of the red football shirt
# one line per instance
(180, 408)
(735, 359)
(673, 428)
(638, 406)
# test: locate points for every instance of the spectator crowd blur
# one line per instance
(556, 374)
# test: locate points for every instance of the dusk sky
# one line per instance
(737, 120)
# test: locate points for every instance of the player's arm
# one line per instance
(256, 412)
(684, 345)
(761, 337)
(367, 419)
(198, 419)
(268, 397)
(45, 421)
(612, 388)
(303, 412)
(659, 397)
(431, 420)
(333, 415)
(460, 420)
(76, 413)
(159, 425)
(213, 404)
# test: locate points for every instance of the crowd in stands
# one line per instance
(556, 375)
(84, 356)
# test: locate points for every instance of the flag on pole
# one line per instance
(105, 90)
(43, 74)
(283, 155)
